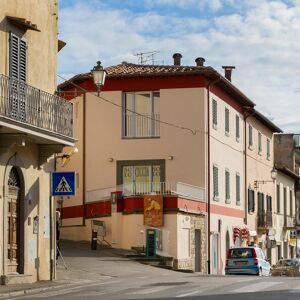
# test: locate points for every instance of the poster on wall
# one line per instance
(153, 210)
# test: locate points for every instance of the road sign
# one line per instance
(63, 184)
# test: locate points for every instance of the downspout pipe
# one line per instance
(84, 159)
(210, 84)
(248, 112)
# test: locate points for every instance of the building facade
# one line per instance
(35, 124)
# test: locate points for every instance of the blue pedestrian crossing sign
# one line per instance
(63, 184)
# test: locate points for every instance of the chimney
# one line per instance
(199, 61)
(228, 71)
(177, 57)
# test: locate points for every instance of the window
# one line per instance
(250, 136)
(260, 202)
(251, 202)
(142, 176)
(215, 113)
(284, 201)
(215, 182)
(227, 186)
(269, 203)
(278, 198)
(227, 121)
(140, 115)
(291, 203)
(268, 149)
(17, 73)
(237, 127)
(259, 143)
(238, 189)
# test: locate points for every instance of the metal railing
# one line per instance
(137, 126)
(24, 103)
(264, 219)
(144, 188)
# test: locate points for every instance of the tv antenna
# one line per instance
(146, 57)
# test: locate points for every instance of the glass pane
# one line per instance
(128, 180)
(129, 101)
(142, 179)
(156, 96)
(143, 103)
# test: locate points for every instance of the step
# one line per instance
(16, 279)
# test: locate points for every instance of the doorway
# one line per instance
(198, 244)
(215, 253)
(14, 223)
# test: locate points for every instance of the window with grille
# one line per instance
(215, 113)
(227, 186)
(227, 121)
(250, 136)
(237, 127)
(215, 182)
(238, 189)
(251, 201)
(259, 142)
(268, 149)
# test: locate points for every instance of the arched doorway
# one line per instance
(14, 222)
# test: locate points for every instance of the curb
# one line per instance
(30, 291)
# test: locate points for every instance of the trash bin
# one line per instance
(94, 240)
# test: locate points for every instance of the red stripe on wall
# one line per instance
(226, 211)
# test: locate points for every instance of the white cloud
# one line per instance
(261, 38)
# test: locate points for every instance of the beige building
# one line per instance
(34, 125)
(175, 130)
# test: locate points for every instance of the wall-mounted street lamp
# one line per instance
(99, 75)
(273, 177)
(65, 157)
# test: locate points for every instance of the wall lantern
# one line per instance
(273, 177)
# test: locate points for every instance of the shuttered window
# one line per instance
(260, 202)
(227, 186)
(215, 182)
(268, 149)
(238, 189)
(291, 203)
(278, 198)
(269, 203)
(215, 113)
(250, 136)
(226, 120)
(237, 127)
(17, 58)
(251, 201)
(259, 142)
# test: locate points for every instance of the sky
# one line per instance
(261, 38)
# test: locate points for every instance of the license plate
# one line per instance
(241, 263)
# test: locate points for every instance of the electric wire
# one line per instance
(193, 131)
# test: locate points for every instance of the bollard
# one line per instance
(94, 240)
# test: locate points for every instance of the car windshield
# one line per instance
(241, 253)
(288, 262)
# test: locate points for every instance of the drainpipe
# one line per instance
(84, 157)
(247, 113)
(210, 84)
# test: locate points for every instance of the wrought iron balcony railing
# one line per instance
(264, 219)
(140, 126)
(26, 104)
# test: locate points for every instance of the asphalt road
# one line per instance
(103, 274)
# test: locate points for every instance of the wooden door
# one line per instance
(13, 226)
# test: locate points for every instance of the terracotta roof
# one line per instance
(266, 121)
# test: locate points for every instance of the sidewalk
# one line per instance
(81, 262)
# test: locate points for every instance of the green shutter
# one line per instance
(238, 189)
(250, 136)
(215, 112)
(215, 181)
(237, 124)
(226, 119)
(227, 185)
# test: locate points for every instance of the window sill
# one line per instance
(237, 139)
(216, 198)
(140, 137)
(227, 133)
(215, 126)
(250, 147)
(259, 153)
(238, 203)
(268, 158)
(227, 201)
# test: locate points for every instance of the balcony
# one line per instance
(143, 188)
(264, 220)
(141, 126)
(26, 106)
